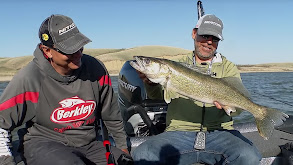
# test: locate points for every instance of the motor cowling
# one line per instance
(130, 86)
(142, 116)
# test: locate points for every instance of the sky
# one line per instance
(255, 31)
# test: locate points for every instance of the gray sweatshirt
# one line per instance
(62, 108)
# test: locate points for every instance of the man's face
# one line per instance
(63, 63)
(66, 61)
(205, 45)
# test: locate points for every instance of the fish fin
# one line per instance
(228, 109)
(271, 119)
(195, 68)
(237, 84)
(169, 94)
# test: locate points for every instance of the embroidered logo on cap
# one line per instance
(73, 109)
(66, 29)
(213, 23)
(45, 37)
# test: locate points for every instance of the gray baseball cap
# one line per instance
(210, 25)
(62, 33)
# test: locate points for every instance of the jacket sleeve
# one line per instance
(231, 70)
(116, 127)
(16, 99)
(107, 103)
(110, 112)
(232, 73)
(19, 99)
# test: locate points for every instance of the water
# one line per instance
(2, 86)
(269, 89)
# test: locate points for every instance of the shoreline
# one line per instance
(9, 78)
(5, 78)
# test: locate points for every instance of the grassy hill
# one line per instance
(115, 58)
(269, 67)
(9, 66)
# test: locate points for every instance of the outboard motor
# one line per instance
(142, 116)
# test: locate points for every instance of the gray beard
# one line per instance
(202, 57)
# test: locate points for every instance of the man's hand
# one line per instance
(217, 105)
(125, 150)
(146, 80)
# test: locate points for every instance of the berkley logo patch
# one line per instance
(73, 109)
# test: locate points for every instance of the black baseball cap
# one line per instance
(60, 32)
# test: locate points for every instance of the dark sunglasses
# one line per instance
(206, 37)
(57, 50)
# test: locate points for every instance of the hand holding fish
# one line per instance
(144, 78)
(179, 80)
(218, 105)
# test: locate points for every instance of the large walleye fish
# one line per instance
(181, 80)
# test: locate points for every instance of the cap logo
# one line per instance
(213, 23)
(45, 37)
(66, 29)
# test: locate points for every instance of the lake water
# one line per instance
(273, 90)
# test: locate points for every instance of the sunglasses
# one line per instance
(206, 37)
(59, 51)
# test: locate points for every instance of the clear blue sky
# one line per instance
(255, 31)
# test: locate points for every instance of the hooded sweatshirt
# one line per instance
(62, 108)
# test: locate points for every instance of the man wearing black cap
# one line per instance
(197, 132)
(61, 93)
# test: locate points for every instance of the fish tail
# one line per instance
(271, 119)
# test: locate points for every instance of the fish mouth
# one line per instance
(137, 63)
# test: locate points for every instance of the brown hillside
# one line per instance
(115, 58)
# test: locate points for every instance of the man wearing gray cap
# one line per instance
(61, 93)
(197, 132)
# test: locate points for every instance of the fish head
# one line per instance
(153, 68)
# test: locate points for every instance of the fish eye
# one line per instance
(147, 61)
